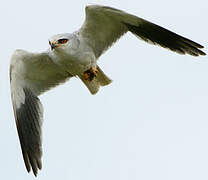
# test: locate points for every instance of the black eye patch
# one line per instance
(62, 41)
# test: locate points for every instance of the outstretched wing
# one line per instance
(104, 25)
(29, 117)
(30, 75)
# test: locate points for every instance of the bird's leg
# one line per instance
(94, 71)
(90, 73)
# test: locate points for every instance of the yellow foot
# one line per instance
(90, 73)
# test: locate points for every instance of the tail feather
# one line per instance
(100, 80)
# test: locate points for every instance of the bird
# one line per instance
(75, 55)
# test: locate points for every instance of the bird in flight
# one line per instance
(76, 55)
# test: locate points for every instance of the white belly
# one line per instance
(77, 64)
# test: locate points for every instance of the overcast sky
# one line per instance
(150, 123)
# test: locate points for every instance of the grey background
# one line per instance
(150, 123)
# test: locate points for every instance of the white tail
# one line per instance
(100, 80)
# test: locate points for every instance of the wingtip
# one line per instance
(39, 165)
(203, 53)
(201, 47)
(28, 169)
(35, 174)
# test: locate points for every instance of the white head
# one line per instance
(63, 42)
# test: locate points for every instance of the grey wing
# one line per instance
(104, 25)
(29, 117)
(30, 75)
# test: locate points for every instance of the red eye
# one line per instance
(62, 41)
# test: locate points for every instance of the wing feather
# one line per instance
(105, 25)
(29, 118)
(30, 75)
(155, 34)
(101, 28)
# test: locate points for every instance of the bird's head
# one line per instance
(61, 42)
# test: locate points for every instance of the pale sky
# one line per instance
(151, 123)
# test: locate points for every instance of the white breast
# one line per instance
(75, 62)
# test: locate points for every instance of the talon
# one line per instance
(94, 71)
(86, 75)
(90, 73)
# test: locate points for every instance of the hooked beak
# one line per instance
(52, 45)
